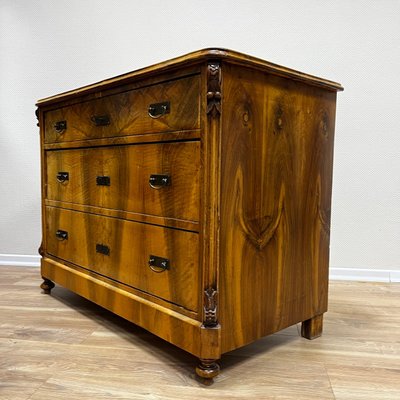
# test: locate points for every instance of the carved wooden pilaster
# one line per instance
(211, 192)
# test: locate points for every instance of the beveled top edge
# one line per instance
(199, 55)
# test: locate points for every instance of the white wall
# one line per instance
(51, 46)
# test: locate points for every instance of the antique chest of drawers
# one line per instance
(193, 198)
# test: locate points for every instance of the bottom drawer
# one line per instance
(123, 251)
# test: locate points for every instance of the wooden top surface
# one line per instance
(191, 58)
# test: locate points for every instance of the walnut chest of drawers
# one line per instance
(193, 198)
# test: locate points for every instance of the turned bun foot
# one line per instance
(47, 285)
(207, 369)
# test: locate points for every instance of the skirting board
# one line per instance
(19, 260)
(364, 274)
(335, 273)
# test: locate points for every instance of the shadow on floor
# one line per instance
(165, 351)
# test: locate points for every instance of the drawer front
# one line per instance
(163, 107)
(156, 179)
(121, 250)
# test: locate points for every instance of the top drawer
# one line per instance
(167, 106)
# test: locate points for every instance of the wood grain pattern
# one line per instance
(63, 346)
(276, 173)
(131, 245)
(129, 169)
(128, 113)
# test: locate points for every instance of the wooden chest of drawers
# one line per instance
(193, 198)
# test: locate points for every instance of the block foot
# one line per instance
(312, 328)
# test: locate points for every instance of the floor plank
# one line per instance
(63, 346)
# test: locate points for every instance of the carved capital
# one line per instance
(210, 307)
(40, 250)
(214, 88)
(37, 116)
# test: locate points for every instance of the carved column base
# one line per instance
(47, 285)
(207, 369)
(312, 328)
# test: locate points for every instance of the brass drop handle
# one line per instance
(157, 181)
(101, 120)
(158, 264)
(157, 110)
(62, 177)
(60, 126)
(61, 235)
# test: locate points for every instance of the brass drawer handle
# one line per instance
(158, 264)
(157, 110)
(61, 235)
(60, 126)
(101, 120)
(157, 181)
(102, 249)
(62, 177)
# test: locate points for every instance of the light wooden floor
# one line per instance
(64, 347)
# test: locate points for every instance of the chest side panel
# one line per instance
(276, 178)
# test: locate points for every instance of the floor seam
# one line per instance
(39, 387)
(330, 382)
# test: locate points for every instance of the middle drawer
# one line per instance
(156, 179)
